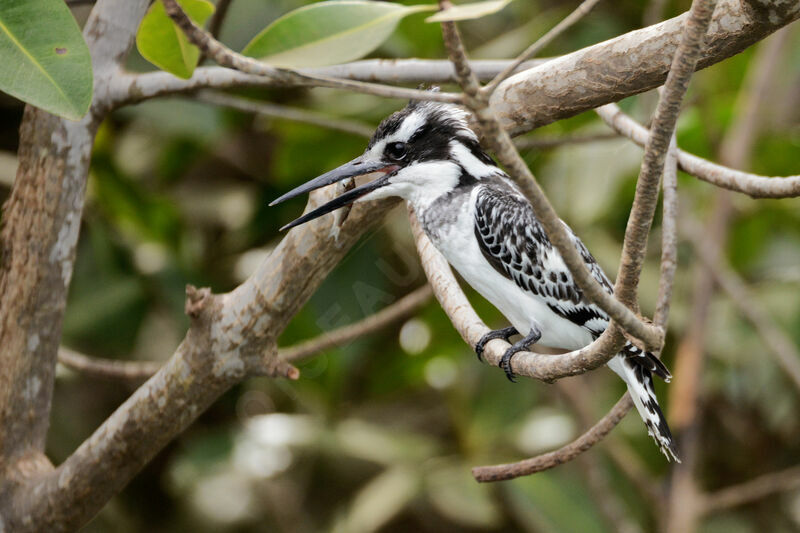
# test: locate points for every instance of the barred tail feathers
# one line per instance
(639, 380)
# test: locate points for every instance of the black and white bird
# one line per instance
(486, 229)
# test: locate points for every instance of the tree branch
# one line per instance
(529, 143)
(544, 367)
(399, 310)
(782, 347)
(232, 336)
(557, 457)
(565, 23)
(629, 64)
(41, 221)
(655, 152)
(752, 490)
(287, 113)
(139, 370)
(226, 57)
(500, 143)
(734, 180)
(669, 236)
(131, 87)
(107, 368)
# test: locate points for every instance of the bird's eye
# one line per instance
(396, 151)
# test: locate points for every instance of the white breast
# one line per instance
(458, 244)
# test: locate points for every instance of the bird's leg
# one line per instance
(531, 338)
(504, 333)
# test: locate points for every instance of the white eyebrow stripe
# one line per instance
(410, 125)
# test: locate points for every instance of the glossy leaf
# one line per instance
(163, 44)
(45, 61)
(326, 33)
(469, 11)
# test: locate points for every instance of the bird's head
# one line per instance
(422, 151)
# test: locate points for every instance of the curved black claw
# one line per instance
(504, 333)
(521, 345)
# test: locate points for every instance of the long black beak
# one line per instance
(357, 167)
(340, 201)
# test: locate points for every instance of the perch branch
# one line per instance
(500, 143)
(544, 367)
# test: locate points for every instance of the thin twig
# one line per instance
(107, 368)
(655, 153)
(399, 310)
(557, 457)
(498, 140)
(728, 178)
(543, 41)
(620, 453)
(215, 24)
(140, 370)
(782, 347)
(528, 143)
(752, 490)
(283, 112)
(226, 57)
(669, 236)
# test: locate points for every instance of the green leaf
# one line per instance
(326, 33)
(469, 11)
(45, 61)
(164, 44)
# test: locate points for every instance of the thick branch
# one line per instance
(630, 64)
(232, 336)
(40, 226)
(719, 175)
(540, 43)
(139, 370)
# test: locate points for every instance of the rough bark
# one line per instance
(629, 64)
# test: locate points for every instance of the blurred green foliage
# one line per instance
(380, 435)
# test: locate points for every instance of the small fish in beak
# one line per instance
(357, 167)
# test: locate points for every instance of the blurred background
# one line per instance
(380, 434)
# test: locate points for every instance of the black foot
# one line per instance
(505, 333)
(519, 346)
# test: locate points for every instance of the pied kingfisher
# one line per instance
(487, 230)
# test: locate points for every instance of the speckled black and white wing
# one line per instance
(513, 241)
